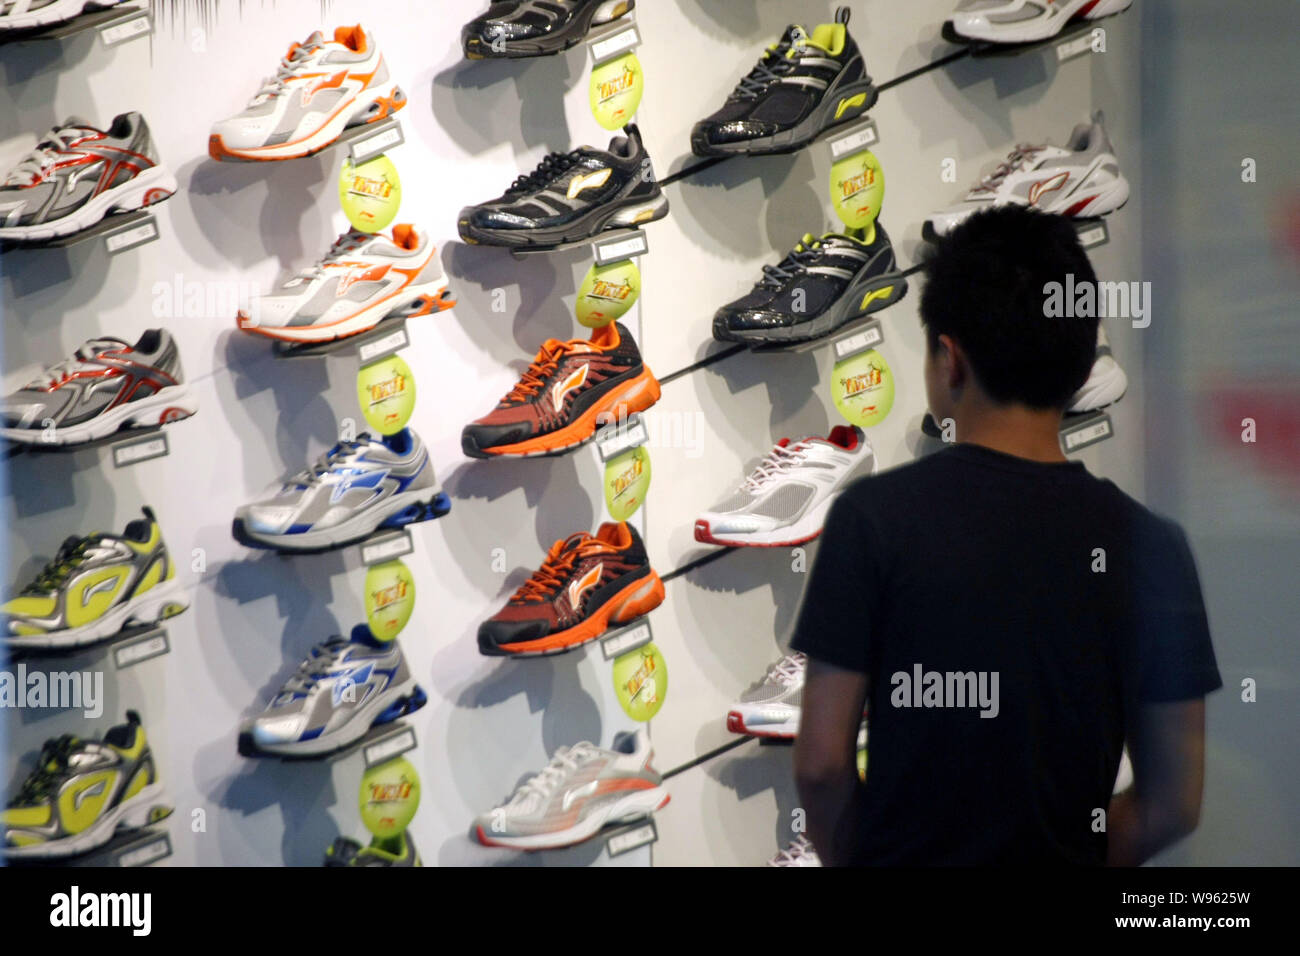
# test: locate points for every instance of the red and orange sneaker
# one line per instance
(586, 583)
(570, 389)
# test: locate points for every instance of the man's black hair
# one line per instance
(986, 288)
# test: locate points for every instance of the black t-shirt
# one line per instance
(969, 566)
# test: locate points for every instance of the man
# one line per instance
(1009, 621)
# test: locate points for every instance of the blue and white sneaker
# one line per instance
(345, 687)
(355, 489)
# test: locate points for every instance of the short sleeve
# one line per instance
(838, 614)
(1176, 656)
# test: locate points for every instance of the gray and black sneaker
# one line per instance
(343, 688)
(819, 287)
(106, 386)
(803, 85)
(571, 197)
(383, 851)
(77, 175)
(355, 489)
(521, 28)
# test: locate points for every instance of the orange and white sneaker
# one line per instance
(364, 279)
(321, 88)
(570, 389)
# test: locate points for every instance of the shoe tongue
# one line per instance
(783, 443)
(76, 122)
(573, 540)
(316, 39)
(105, 343)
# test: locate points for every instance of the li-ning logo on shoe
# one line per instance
(591, 181)
(345, 688)
(577, 378)
(578, 793)
(857, 99)
(94, 790)
(1049, 185)
(105, 585)
(326, 83)
(357, 274)
(584, 584)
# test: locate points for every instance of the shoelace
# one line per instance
(543, 366)
(50, 768)
(557, 566)
(1015, 160)
(771, 67)
(321, 661)
(795, 263)
(326, 462)
(70, 557)
(565, 761)
(796, 851)
(780, 460)
(85, 354)
(290, 64)
(547, 170)
(31, 166)
(787, 671)
(344, 245)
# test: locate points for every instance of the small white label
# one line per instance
(1090, 434)
(632, 839)
(1076, 47)
(1094, 236)
(389, 343)
(627, 639)
(130, 238)
(371, 146)
(132, 453)
(156, 849)
(151, 645)
(611, 46)
(390, 747)
(860, 138)
(868, 338)
(387, 548)
(622, 437)
(125, 30)
(619, 249)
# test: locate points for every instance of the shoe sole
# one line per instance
(635, 395)
(171, 404)
(786, 730)
(150, 187)
(386, 100)
(398, 702)
(1115, 197)
(557, 42)
(638, 805)
(412, 301)
(804, 134)
(625, 213)
(53, 14)
(412, 511)
(949, 31)
(801, 532)
(860, 300)
(133, 813)
(162, 601)
(635, 600)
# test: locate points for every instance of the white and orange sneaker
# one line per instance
(321, 88)
(364, 279)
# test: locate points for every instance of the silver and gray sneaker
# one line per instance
(343, 688)
(33, 14)
(799, 853)
(579, 792)
(355, 489)
(1080, 180)
(771, 707)
(106, 386)
(77, 175)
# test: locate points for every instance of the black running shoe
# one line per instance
(571, 197)
(819, 287)
(803, 85)
(521, 28)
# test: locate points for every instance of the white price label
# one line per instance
(868, 338)
(390, 747)
(387, 548)
(369, 351)
(130, 238)
(135, 452)
(371, 146)
(120, 32)
(628, 639)
(1093, 237)
(1088, 434)
(860, 138)
(151, 852)
(611, 46)
(630, 435)
(619, 249)
(154, 645)
(632, 839)
(1076, 47)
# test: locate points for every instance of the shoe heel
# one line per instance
(426, 305)
(182, 405)
(383, 105)
(409, 704)
(851, 102)
(143, 195)
(435, 507)
(640, 395)
(640, 602)
(154, 609)
(634, 216)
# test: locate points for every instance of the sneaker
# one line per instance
(94, 588)
(822, 285)
(1023, 21)
(355, 489)
(106, 386)
(1080, 180)
(785, 499)
(771, 708)
(585, 584)
(343, 688)
(382, 851)
(363, 280)
(583, 789)
(1106, 384)
(77, 175)
(803, 85)
(571, 197)
(321, 88)
(34, 14)
(799, 853)
(520, 28)
(81, 791)
(569, 390)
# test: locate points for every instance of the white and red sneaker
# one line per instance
(1026, 21)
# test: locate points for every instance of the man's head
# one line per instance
(988, 333)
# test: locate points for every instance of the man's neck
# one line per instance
(1015, 430)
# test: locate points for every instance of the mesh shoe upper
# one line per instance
(782, 684)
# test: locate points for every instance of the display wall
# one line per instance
(235, 230)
